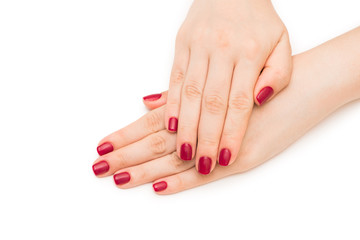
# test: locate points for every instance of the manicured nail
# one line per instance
(160, 186)
(105, 148)
(152, 97)
(173, 124)
(224, 157)
(100, 168)
(121, 178)
(186, 152)
(264, 94)
(204, 166)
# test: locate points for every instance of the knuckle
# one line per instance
(240, 102)
(208, 141)
(153, 121)
(222, 39)
(251, 48)
(177, 76)
(158, 144)
(176, 162)
(121, 160)
(199, 35)
(192, 90)
(180, 36)
(230, 135)
(187, 129)
(214, 103)
(178, 181)
(282, 75)
(141, 174)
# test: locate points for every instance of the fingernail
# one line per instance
(100, 168)
(152, 97)
(105, 148)
(264, 94)
(186, 152)
(173, 124)
(160, 186)
(121, 178)
(224, 157)
(204, 166)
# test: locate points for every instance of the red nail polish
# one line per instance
(204, 166)
(152, 97)
(224, 157)
(105, 148)
(173, 124)
(121, 178)
(264, 94)
(186, 152)
(100, 167)
(160, 186)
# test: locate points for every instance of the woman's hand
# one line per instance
(321, 82)
(229, 53)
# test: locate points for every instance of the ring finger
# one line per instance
(153, 146)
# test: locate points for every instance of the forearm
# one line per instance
(323, 79)
(334, 67)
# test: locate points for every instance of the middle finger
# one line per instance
(213, 112)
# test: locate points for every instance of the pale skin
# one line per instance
(323, 79)
(228, 55)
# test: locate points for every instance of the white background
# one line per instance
(74, 71)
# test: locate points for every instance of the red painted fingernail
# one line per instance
(121, 178)
(204, 166)
(105, 148)
(186, 152)
(152, 97)
(100, 168)
(224, 157)
(160, 186)
(264, 94)
(173, 124)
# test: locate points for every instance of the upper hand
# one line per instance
(229, 54)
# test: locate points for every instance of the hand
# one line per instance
(144, 150)
(229, 53)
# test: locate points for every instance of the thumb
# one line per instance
(155, 100)
(276, 73)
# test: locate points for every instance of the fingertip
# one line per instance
(204, 165)
(160, 186)
(224, 157)
(172, 124)
(264, 95)
(154, 101)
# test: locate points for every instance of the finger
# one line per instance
(276, 73)
(155, 100)
(239, 111)
(213, 111)
(154, 146)
(191, 105)
(146, 125)
(177, 77)
(150, 171)
(189, 179)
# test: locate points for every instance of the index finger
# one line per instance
(150, 123)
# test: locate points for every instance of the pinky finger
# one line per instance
(189, 179)
(149, 171)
